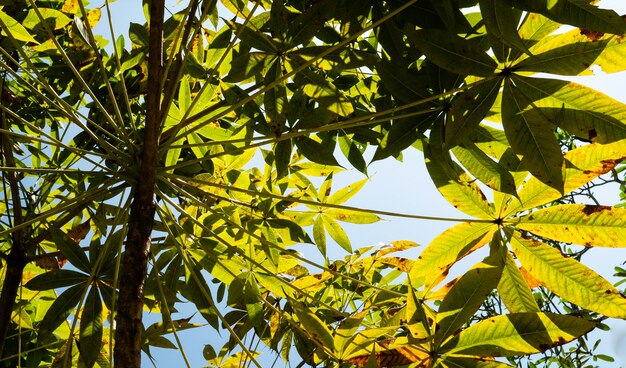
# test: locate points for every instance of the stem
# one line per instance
(17, 258)
(128, 338)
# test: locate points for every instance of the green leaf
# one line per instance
(314, 326)
(468, 109)
(54, 18)
(466, 296)
(456, 186)
(326, 94)
(275, 99)
(56, 279)
(455, 362)
(16, 29)
(347, 192)
(71, 250)
(452, 52)
(582, 165)
(582, 224)
(578, 109)
(315, 151)
(354, 217)
(571, 53)
(91, 328)
(514, 290)
(481, 166)
(516, 334)
(337, 233)
(568, 278)
(531, 134)
(579, 13)
(60, 309)
(453, 244)
(319, 234)
(501, 21)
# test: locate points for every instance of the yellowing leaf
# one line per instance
(15, 28)
(466, 296)
(516, 334)
(313, 325)
(93, 16)
(514, 289)
(582, 165)
(70, 6)
(568, 278)
(432, 265)
(579, 224)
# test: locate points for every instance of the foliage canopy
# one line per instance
(182, 166)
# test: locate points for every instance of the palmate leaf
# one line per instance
(516, 334)
(485, 169)
(582, 224)
(531, 134)
(568, 278)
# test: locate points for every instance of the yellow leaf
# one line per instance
(70, 6)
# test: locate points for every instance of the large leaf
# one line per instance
(16, 29)
(580, 110)
(531, 134)
(485, 169)
(579, 13)
(456, 186)
(501, 20)
(56, 279)
(466, 296)
(516, 334)
(582, 224)
(314, 326)
(514, 291)
(453, 244)
(452, 52)
(568, 278)
(60, 309)
(582, 165)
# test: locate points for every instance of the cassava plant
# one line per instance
(182, 165)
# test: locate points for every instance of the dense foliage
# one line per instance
(182, 165)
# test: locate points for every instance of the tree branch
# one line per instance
(128, 338)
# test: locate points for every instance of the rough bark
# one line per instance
(128, 328)
(17, 258)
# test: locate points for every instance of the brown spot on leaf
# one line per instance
(608, 292)
(592, 134)
(593, 36)
(591, 209)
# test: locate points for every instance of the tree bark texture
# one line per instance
(128, 339)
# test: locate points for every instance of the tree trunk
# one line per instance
(128, 340)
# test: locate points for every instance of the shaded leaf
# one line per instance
(501, 21)
(60, 309)
(452, 52)
(91, 328)
(314, 326)
(56, 279)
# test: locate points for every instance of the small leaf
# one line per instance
(275, 99)
(337, 233)
(517, 334)
(71, 250)
(347, 192)
(319, 234)
(452, 52)
(354, 217)
(568, 278)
